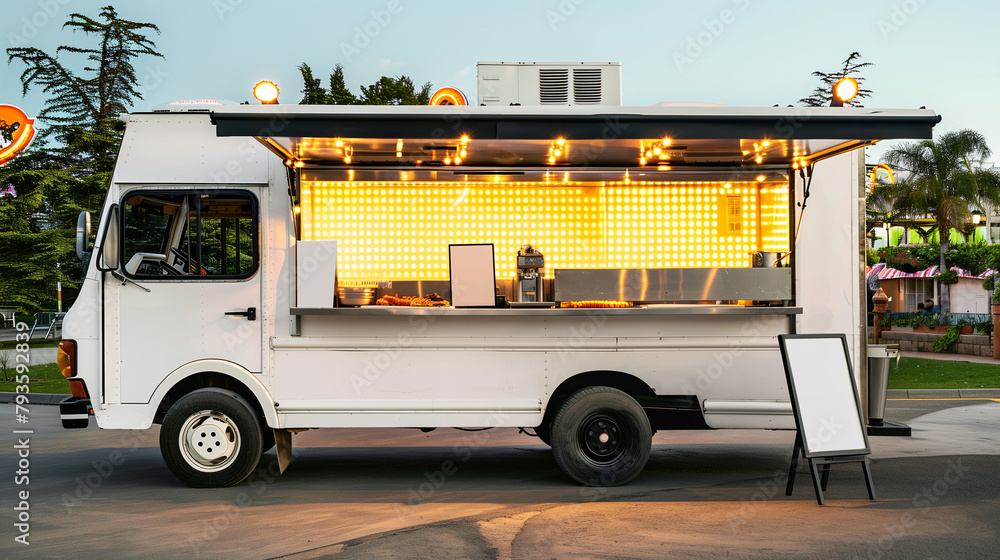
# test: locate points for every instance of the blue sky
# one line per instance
(942, 55)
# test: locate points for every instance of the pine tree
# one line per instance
(69, 166)
(386, 91)
(823, 93)
(312, 90)
(338, 90)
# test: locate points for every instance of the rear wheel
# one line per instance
(211, 438)
(601, 437)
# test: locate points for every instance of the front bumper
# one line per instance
(75, 412)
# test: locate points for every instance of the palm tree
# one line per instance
(942, 178)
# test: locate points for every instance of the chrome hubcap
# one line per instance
(209, 441)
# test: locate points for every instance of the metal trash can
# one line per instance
(879, 356)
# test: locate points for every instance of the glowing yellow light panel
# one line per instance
(401, 230)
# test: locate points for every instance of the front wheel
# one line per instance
(601, 437)
(211, 438)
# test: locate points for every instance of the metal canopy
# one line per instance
(570, 137)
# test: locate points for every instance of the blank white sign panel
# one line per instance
(824, 390)
(473, 282)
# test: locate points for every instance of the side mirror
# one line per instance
(83, 245)
(111, 248)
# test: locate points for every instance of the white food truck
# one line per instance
(263, 269)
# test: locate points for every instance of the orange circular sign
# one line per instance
(448, 96)
(16, 132)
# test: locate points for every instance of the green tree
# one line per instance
(338, 89)
(312, 89)
(395, 91)
(386, 91)
(850, 68)
(942, 178)
(69, 166)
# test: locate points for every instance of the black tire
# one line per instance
(211, 438)
(601, 437)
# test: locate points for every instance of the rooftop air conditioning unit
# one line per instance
(550, 83)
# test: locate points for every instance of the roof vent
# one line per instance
(587, 86)
(553, 86)
(550, 83)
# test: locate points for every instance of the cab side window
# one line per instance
(190, 235)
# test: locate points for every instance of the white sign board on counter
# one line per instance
(316, 273)
(473, 279)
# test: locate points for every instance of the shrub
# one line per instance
(907, 259)
(947, 339)
(974, 258)
(948, 277)
(872, 257)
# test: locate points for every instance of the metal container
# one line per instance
(355, 296)
(879, 357)
(659, 285)
(768, 259)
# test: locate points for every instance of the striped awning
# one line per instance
(886, 273)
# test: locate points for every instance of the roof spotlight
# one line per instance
(266, 92)
(844, 90)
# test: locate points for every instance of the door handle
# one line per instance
(250, 313)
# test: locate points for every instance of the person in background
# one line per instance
(920, 308)
(929, 307)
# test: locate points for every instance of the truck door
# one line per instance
(188, 288)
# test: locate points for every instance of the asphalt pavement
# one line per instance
(499, 495)
(384, 493)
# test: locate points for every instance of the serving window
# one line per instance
(401, 230)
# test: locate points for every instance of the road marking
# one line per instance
(951, 399)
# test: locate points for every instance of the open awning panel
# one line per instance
(570, 137)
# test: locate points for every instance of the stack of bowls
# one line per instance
(350, 296)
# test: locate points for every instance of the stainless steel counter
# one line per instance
(368, 310)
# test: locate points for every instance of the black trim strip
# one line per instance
(868, 126)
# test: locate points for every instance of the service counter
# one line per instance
(389, 310)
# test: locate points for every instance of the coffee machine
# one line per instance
(528, 287)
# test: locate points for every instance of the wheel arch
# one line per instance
(622, 381)
(214, 373)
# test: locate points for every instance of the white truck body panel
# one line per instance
(435, 368)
